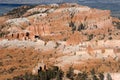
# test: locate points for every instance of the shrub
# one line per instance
(54, 73)
(70, 73)
(81, 27)
(81, 76)
(101, 76)
(109, 77)
(90, 37)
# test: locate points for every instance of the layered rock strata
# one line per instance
(60, 22)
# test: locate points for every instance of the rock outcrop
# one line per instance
(60, 22)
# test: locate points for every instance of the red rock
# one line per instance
(55, 25)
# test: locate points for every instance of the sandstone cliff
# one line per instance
(58, 22)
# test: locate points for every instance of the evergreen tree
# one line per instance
(109, 77)
(70, 73)
(101, 76)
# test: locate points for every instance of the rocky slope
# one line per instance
(63, 35)
(50, 21)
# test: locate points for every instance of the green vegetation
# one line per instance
(90, 37)
(82, 76)
(81, 27)
(55, 73)
(2, 34)
(47, 74)
(70, 73)
(18, 12)
(117, 24)
(72, 25)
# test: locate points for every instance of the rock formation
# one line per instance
(59, 22)
(62, 35)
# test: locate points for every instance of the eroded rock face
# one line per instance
(63, 35)
(61, 22)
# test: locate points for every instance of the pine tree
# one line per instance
(70, 73)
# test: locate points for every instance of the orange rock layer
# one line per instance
(58, 23)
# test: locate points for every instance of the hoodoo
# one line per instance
(51, 22)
